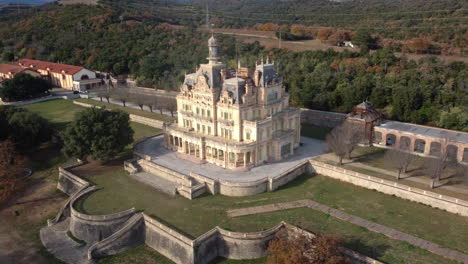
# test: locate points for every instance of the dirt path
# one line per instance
(19, 235)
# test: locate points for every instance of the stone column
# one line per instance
(461, 150)
(245, 159)
(384, 139)
(427, 147)
(412, 144)
(397, 141)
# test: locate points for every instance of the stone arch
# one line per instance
(377, 137)
(84, 77)
(419, 145)
(452, 152)
(435, 148)
(405, 143)
(390, 140)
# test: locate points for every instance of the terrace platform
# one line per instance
(161, 156)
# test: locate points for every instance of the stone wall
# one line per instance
(194, 185)
(130, 235)
(135, 118)
(229, 188)
(166, 173)
(275, 182)
(68, 182)
(443, 202)
(94, 228)
(168, 242)
(321, 118)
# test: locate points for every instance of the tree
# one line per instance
(139, 99)
(121, 94)
(436, 167)
(343, 139)
(98, 133)
(8, 56)
(104, 92)
(171, 106)
(10, 170)
(26, 129)
(364, 40)
(24, 86)
(399, 159)
(304, 249)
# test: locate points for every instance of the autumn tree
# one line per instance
(419, 45)
(324, 33)
(399, 159)
(10, 170)
(343, 139)
(306, 249)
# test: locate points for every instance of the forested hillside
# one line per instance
(126, 41)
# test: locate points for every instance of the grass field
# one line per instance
(129, 110)
(313, 131)
(62, 112)
(119, 192)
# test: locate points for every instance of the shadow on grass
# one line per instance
(300, 180)
(374, 251)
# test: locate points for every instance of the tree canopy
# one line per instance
(23, 127)
(98, 133)
(23, 86)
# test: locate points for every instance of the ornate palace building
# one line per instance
(236, 119)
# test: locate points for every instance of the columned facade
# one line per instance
(236, 119)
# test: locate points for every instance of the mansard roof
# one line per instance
(236, 88)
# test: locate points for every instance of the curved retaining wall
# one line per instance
(130, 235)
(70, 183)
(443, 202)
(243, 188)
(94, 228)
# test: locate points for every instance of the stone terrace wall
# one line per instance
(135, 118)
(167, 241)
(130, 235)
(321, 118)
(194, 185)
(275, 182)
(68, 182)
(94, 228)
(166, 173)
(443, 202)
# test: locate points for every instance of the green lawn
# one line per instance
(313, 131)
(130, 110)
(119, 192)
(61, 112)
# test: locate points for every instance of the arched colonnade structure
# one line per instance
(422, 140)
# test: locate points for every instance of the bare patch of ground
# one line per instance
(19, 234)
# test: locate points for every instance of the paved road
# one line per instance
(390, 232)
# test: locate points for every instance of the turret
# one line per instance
(213, 49)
